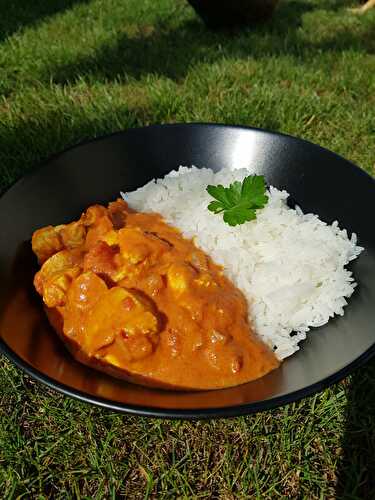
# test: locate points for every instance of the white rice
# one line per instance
(289, 265)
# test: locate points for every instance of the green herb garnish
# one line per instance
(240, 200)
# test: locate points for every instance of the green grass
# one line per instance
(71, 70)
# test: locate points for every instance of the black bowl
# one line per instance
(95, 172)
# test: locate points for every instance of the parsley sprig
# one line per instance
(240, 200)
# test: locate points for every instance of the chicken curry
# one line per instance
(129, 295)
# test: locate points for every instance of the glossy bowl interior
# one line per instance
(95, 172)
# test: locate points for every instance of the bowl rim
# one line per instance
(54, 156)
(184, 413)
(187, 413)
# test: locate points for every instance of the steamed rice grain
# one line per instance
(289, 265)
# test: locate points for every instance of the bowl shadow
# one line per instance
(18, 15)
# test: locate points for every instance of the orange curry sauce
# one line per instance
(129, 295)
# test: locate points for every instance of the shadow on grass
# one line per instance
(172, 52)
(16, 14)
(356, 471)
(30, 143)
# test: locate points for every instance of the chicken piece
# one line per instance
(180, 276)
(46, 242)
(136, 347)
(118, 210)
(111, 238)
(85, 291)
(95, 317)
(60, 261)
(73, 235)
(95, 233)
(153, 284)
(83, 294)
(133, 244)
(139, 251)
(137, 245)
(92, 214)
(55, 275)
(118, 311)
(101, 260)
(55, 288)
(206, 280)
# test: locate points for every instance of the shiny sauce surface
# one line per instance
(129, 295)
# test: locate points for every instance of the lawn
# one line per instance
(75, 69)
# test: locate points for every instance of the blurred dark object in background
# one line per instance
(370, 4)
(218, 14)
